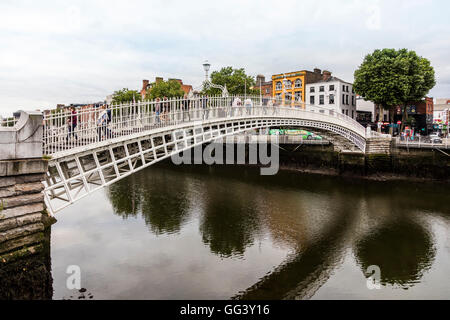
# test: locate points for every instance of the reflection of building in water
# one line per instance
(26, 274)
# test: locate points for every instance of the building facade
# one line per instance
(332, 93)
(441, 111)
(420, 115)
(266, 87)
(290, 86)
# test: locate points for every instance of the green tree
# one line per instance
(160, 89)
(391, 78)
(125, 95)
(236, 80)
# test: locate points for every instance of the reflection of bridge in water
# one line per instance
(95, 154)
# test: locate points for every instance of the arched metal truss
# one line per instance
(76, 172)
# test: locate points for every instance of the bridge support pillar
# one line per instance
(23, 217)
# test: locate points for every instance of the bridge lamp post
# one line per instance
(208, 84)
(206, 66)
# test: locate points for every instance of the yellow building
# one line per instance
(291, 85)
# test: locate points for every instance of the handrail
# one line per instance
(64, 130)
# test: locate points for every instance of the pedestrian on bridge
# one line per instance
(248, 105)
(205, 107)
(166, 109)
(102, 123)
(186, 105)
(157, 110)
(72, 122)
(237, 103)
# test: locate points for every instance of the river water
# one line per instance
(199, 232)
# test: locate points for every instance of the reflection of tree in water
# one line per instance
(402, 249)
(160, 196)
(126, 196)
(230, 220)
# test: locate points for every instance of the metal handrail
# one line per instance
(64, 131)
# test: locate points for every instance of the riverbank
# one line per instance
(401, 164)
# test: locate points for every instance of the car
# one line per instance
(434, 138)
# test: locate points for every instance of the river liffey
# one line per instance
(200, 232)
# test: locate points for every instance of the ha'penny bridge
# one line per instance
(108, 144)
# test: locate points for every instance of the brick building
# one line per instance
(421, 113)
(265, 86)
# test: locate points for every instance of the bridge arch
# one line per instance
(78, 170)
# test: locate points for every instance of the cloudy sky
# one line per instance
(80, 51)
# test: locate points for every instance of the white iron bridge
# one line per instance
(95, 147)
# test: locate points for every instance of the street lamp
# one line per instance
(208, 84)
(206, 66)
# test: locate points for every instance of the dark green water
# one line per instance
(225, 232)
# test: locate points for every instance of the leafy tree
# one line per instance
(236, 80)
(390, 78)
(126, 95)
(160, 89)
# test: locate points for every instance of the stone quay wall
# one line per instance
(23, 218)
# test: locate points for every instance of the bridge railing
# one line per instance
(65, 129)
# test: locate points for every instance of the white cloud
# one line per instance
(52, 52)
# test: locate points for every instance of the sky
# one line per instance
(81, 51)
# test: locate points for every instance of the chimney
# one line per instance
(260, 79)
(318, 71)
(158, 79)
(326, 75)
(144, 84)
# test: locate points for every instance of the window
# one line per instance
(321, 88)
(298, 83)
(267, 90)
(353, 114)
(343, 99)
(298, 96)
(346, 112)
(332, 87)
(278, 86)
(312, 89)
(288, 84)
(311, 100)
(331, 99)
(343, 88)
(346, 99)
(353, 100)
(343, 111)
(288, 97)
(321, 99)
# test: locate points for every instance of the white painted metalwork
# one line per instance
(98, 152)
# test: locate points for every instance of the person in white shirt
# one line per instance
(237, 103)
(102, 121)
(248, 103)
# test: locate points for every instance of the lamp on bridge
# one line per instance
(208, 84)
(206, 66)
